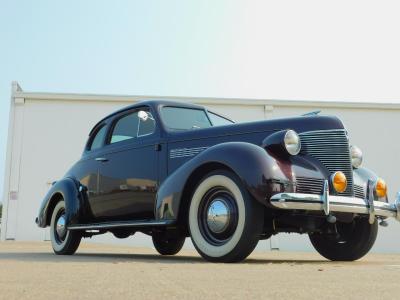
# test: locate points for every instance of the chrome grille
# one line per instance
(331, 148)
(309, 185)
(359, 191)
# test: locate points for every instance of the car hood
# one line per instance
(299, 124)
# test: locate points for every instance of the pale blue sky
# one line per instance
(265, 49)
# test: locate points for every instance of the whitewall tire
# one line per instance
(225, 222)
(63, 241)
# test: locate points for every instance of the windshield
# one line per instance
(182, 118)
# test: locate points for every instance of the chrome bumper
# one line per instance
(327, 203)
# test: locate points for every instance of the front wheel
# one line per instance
(225, 222)
(352, 241)
(64, 241)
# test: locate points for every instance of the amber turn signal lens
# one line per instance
(339, 182)
(380, 188)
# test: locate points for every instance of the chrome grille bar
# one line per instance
(331, 148)
(309, 185)
(359, 191)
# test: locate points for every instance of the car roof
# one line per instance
(152, 103)
(157, 103)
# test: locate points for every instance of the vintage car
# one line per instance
(173, 170)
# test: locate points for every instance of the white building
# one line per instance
(47, 132)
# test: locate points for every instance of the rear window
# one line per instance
(182, 118)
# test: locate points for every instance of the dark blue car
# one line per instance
(173, 170)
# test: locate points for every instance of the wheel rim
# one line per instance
(60, 231)
(218, 216)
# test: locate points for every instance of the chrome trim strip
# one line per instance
(108, 225)
(185, 152)
(324, 130)
(336, 204)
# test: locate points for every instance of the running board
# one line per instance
(107, 225)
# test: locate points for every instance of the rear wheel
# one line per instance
(225, 222)
(352, 242)
(168, 245)
(63, 241)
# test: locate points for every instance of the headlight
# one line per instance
(292, 142)
(356, 156)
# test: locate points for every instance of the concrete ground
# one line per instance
(32, 271)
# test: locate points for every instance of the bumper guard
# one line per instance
(329, 203)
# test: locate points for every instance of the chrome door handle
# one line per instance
(102, 159)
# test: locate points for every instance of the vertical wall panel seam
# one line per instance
(7, 171)
(19, 168)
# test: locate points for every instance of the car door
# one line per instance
(128, 173)
(87, 168)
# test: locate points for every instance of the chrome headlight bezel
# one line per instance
(356, 156)
(292, 142)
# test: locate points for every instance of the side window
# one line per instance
(97, 141)
(133, 125)
(125, 128)
(147, 124)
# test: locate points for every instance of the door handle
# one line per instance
(102, 159)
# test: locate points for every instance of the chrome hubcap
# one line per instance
(218, 216)
(60, 226)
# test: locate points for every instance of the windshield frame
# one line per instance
(221, 116)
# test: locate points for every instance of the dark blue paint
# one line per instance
(139, 180)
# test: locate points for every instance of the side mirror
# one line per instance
(143, 115)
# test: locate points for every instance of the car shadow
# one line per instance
(156, 258)
(138, 257)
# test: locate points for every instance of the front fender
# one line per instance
(67, 189)
(361, 176)
(253, 164)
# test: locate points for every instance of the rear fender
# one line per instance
(71, 192)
